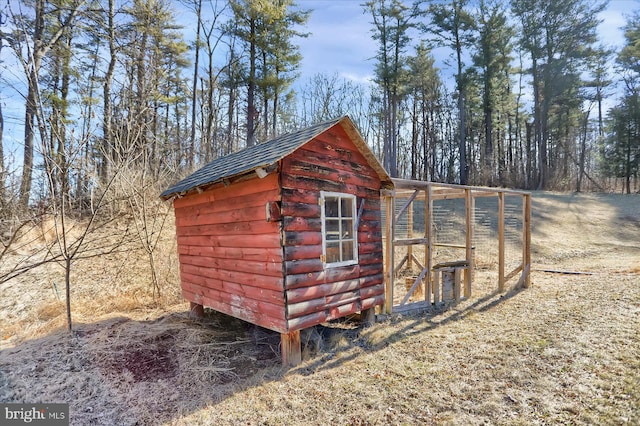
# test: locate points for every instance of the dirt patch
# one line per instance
(152, 362)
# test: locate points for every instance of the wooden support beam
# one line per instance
(501, 245)
(410, 241)
(410, 227)
(414, 286)
(196, 310)
(399, 266)
(436, 287)
(526, 239)
(470, 208)
(406, 205)
(456, 284)
(291, 348)
(368, 317)
(428, 252)
(513, 273)
(388, 258)
(417, 262)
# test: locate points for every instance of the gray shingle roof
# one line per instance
(248, 159)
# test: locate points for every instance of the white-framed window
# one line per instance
(339, 233)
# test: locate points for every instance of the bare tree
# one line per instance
(31, 43)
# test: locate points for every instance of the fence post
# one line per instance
(501, 242)
(469, 204)
(526, 239)
(389, 258)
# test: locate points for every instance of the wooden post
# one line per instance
(469, 204)
(526, 238)
(368, 317)
(501, 242)
(428, 252)
(409, 236)
(196, 310)
(436, 287)
(291, 348)
(389, 260)
(456, 283)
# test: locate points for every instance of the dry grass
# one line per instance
(564, 351)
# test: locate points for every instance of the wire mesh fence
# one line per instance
(443, 231)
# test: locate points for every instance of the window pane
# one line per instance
(333, 252)
(332, 229)
(347, 250)
(331, 207)
(347, 207)
(347, 228)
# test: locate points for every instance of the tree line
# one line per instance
(521, 102)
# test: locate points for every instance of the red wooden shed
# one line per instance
(286, 234)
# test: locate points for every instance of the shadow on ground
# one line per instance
(123, 371)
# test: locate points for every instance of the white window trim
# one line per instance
(354, 211)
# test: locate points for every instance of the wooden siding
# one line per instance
(230, 255)
(330, 162)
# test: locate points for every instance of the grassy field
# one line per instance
(565, 351)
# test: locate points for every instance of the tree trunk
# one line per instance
(251, 108)
(462, 147)
(194, 93)
(106, 154)
(2, 169)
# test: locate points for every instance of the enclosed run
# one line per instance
(286, 234)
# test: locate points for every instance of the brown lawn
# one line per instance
(565, 351)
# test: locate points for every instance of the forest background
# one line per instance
(118, 99)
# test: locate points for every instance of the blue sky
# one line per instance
(340, 40)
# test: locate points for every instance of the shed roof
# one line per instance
(265, 154)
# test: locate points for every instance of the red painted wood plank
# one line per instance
(256, 307)
(249, 253)
(302, 252)
(342, 299)
(260, 241)
(302, 294)
(216, 288)
(253, 267)
(298, 223)
(234, 228)
(371, 302)
(302, 238)
(368, 292)
(366, 270)
(294, 195)
(277, 324)
(338, 143)
(304, 308)
(254, 293)
(303, 266)
(230, 204)
(372, 226)
(300, 209)
(312, 154)
(248, 214)
(306, 321)
(222, 192)
(302, 167)
(311, 184)
(270, 283)
(321, 276)
(340, 311)
(365, 248)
